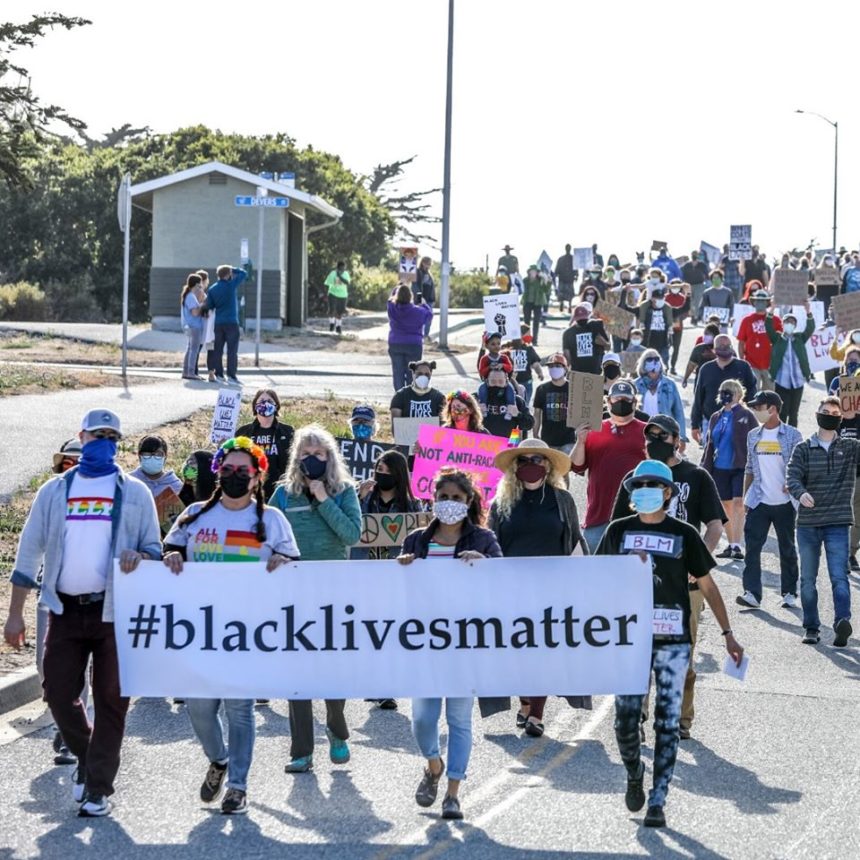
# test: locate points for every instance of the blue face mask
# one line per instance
(647, 500)
(851, 368)
(265, 408)
(152, 464)
(362, 431)
(97, 458)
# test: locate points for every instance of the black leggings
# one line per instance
(791, 398)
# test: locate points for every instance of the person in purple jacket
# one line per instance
(406, 335)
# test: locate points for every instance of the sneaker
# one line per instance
(425, 794)
(811, 637)
(262, 702)
(451, 808)
(302, 764)
(726, 553)
(789, 601)
(79, 782)
(748, 599)
(843, 631)
(235, 802)
(654, 817)
(634, 797)
(388, 704)
(337, 330)
(213, 782)
(684, 733)
(331, 327)
(95, 806)
(737, 553)
(232, 380)
(853, 564)
(221, 380)
(63, 754)
(338, 750)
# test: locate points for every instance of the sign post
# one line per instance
(123, 211)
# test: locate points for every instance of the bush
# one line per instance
(371, 288)
(468, 289)
(22, 302)
(73, 300)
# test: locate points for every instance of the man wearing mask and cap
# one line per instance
(80, 522)
(607, 455)
(711, 376)
(585, 340)
(362, 423)
(821, 475)
(550, 407)
(754, 345)
(789, 361)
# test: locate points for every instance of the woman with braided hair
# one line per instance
(234, 524)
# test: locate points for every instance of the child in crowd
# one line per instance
(494, 359)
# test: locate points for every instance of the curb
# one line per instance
(19, 688)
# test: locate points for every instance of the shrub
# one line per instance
(22, 302)
(73, 300)
(468, 289)
(371, 287)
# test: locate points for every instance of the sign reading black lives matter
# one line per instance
(225, 418)
(360, 455)
(740, 242)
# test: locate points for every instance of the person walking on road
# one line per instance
(550, 407)
(536, 291)
(223, 299)
(658, 395)
(337, 283)
(754, 343)
(789, 362)
(79, 524)
(585, 340)
(567, 275)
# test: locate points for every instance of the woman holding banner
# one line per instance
(533, 514)
(454, 532)
(319, 500)
(236, 515)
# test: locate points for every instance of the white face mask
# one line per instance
(675, 290)
(449, 512)
(635, 341)
(855, 338)
(653, 281)
(658, 303)
(788, 328)
(422, 381)
(762, 415)
(556, 372)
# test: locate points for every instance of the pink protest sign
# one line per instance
(438, 447)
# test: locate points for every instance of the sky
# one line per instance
(613, 122)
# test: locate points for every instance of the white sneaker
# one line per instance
(748, 599)
(95, 806)
(789, 601)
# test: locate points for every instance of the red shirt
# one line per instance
(757, 345)
(609, 456)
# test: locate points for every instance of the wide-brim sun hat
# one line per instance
(559, 460)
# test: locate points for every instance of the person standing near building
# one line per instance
(223, 298)
(80, 523)
(337, 284)
(190, 300)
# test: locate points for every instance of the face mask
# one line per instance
(659, 449)
(152, 465)
(556, 372)
(653, 281)
(97, 458)
(716, 282)
(647, 500)
(726, 397)
(788, 328)
(855, 338)
(590, 297)
(313, 467)
(422, 381)
(707, 338)
(189, 473)
(674, 290)
(384, 481)
(762, 415)
(658, 303)
(828, 422)
(362, 431)
(851, 368)
(621, 408)
(635, 341)
(760, 307)
(531, 473)
(625, 280)
(724, 352)
(611, 371)
(450, 513)
(461, 422)
(265, 408)
(235, 486)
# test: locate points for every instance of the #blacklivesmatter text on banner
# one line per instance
(346, 629)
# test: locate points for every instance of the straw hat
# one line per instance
(559, 460)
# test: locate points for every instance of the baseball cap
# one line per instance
(652, 470)
(583, 309)
(664, 422)
(766, 398)
(557, 358)
(363, 413)
(623, 388)
(762, 295)
(68, 450)
(101, 419)
(611, 356)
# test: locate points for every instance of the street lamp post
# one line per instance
(835, 165)
(445, 288)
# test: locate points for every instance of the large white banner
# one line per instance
(376, 629)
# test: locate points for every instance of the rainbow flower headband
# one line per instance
(241, 443)
(459, 394)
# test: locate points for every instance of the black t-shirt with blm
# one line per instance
(523, 360)
(551, 399)
(677, 551)
(585, 355)
(414, 405)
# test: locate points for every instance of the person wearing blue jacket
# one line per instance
(223, 298)
(667, 265)
(658, 395)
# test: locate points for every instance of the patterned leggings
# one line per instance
(669, 663)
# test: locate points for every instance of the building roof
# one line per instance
(141, 194)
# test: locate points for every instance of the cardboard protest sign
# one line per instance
(585, 399)
(408, 267)
(502, 315)
(618, 321)
(583, 258)
(790, 286)
(544, 262)
(360, 455)
(168, 506)
(827, 276)
(225, 418)
(389, 530)
(657, 245)
(740, 242)
(816, 308)
(712, 253)
(846, 310)
(406, 429)
(722, 313)
(849, 394)
(681, 260)
(629, 361)
(818, 350)
(438, 447)
(741, 312)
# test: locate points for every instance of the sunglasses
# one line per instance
(106, 434)
(659, 434)
(242, 471)
(642, 484)
(538, 459)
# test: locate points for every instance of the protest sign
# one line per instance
(741, 312)
(438, 447)
(827, 276)
(388, 530)
(846, 310)
(360, 455)
(168, 506)
(681, 260)
(722, 313)
(790, 286)
(618, 321)
(630, 361)
(818, 350)
(740, 242)
(585, 399)
(583, 258)
(657, 245)
(544, 262)
(354, 630)
(502, 315)
(711, 253)
(849, 394)
(406, 429)
(408, 267)
(225, 418)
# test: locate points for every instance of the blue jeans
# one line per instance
(401, 354)
(529, 389)
(227, 333)
(425, 728)
(835, 540)
(759, 519)
(206, 722)
(428, 323)
(669, 664)
(593, 536)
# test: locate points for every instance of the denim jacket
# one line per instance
(134, 526)
(668, 400)
(788, 437)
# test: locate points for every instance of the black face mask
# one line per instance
(621, 408)
(828, 422)
(235, 486)
(659, 449)
(385, 482)
(313, 467)
(612, 372)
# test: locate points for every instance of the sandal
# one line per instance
(428, 788)
(533, 729)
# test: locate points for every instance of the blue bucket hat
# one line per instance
(652, 470)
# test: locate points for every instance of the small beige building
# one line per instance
(196, 224)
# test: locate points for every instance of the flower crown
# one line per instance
(241, 443)
(460, 395)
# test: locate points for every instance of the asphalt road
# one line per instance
(771, 772)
